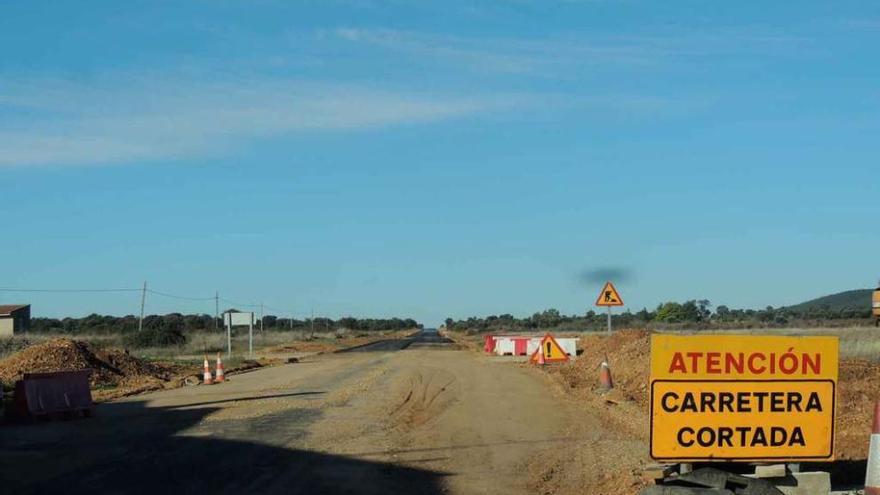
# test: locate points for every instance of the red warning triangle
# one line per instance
(609, 296)
(549, 352)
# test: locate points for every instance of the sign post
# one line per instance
(228, 338)
(251, 338)
(609, 297)
(238, 319)
(743, 398)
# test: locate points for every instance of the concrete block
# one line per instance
(683, 490)
(657, 471)
(770, 471)
(809, 483)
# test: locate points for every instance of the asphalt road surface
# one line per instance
(411, 415)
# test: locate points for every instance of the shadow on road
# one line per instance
(128, 448)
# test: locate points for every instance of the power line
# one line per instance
(7, 289)
(235, 303)
(143, 290)
(173, 296)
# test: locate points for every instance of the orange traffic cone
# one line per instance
(219, 373)
(605, 382)
(539, 358)
(872, 476)
(207, 376)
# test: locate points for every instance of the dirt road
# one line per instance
(401, 416)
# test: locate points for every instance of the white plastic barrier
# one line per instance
(533, 345)
(504, 345)
(569, 345)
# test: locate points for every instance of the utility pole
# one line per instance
(216, 309)
(261, 319)
(313, 324)
(143, 301)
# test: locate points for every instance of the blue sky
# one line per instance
(434, 159)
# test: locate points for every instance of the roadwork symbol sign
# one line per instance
(551, 350)
(742, 397)
(609, 296)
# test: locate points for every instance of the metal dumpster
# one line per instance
(60, 392)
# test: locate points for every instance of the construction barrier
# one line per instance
(516, 345)
(504, 346)
(489, 344)
(59, 392)
(520, 344)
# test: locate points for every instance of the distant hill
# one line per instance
(858, 300)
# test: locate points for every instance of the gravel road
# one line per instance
(412, 415)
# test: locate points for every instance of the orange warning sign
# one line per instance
(742, 397)
(549, 352)
(609, 296)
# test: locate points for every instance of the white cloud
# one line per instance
(564, 54)
(130, 118)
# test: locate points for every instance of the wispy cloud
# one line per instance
(866, 24)
(546, 56)
(129, 118)
(506, 55)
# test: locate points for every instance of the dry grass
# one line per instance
(198, 343)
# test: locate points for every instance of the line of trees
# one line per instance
(694, 314)
(181, 323)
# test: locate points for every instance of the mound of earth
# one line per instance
(111, 368)
(628, 354)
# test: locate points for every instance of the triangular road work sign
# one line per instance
(549, 352)
(609, 296)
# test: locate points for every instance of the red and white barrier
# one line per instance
(489, 345)
(518, 345)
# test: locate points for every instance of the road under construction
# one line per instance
(408, 415)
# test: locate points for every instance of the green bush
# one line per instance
(156, 337)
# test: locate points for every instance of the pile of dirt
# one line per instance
(627, 353)
(858, 388)
(113, 370)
